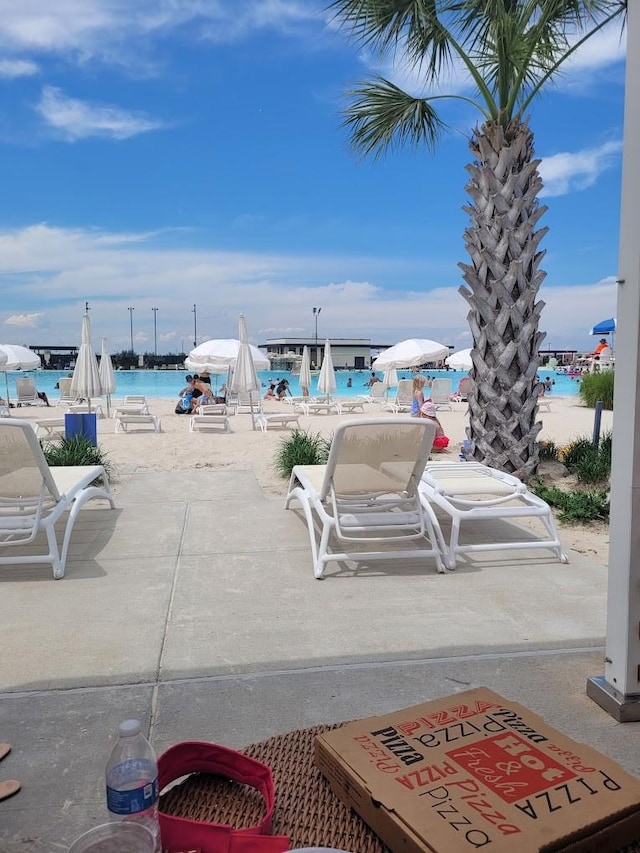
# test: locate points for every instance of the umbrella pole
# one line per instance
(253, 420)
(6, 379)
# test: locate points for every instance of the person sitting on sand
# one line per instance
(429, 411)
(185, 398)
(283, 389)
(202, 394)
(270, 393)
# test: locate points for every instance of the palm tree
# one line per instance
(510, 49)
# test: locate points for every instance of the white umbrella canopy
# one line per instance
(327, 380)
(16, 357)
(410, 353)
(245, 379)
(220, 355)
(86, 375)
(19, 358)
(460, 360)
(305, 372)
(107, 376)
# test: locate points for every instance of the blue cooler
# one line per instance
(81, 423)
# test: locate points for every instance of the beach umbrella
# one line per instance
(391, 377)
(245, 379)
(107, 376)
(16, 357)
(327, 380)
(86, 375)
(460, 360)
(220, 355)
(606, 327)
(410, 353)
(305, 372)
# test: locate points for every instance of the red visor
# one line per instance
(183, 835)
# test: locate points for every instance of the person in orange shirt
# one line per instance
(602, 345)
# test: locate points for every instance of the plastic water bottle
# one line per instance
(132, 779)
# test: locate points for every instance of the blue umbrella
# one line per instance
(604, 327)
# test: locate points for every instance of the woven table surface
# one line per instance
(306, 809)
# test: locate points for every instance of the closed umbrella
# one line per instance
(391, 377)
(107, 376)
(327, 380)
(460, 360)
(245, 379)
(86, 375)
(16, 357)
(305, 372)
(410, 353)
(220, 355)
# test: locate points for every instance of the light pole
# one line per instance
(195, 324)
(155, 331)
(130, 310)
(316, 314)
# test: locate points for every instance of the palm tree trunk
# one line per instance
(503, 280)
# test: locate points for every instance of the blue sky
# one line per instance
(166, 153)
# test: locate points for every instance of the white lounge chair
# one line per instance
(470, 491)
(377, 393)
(349, 406)
(317, 407)
(66, 396)
(367, 493)
(33, 496)
(440, 394)
(27, 392)
(125, 419)
(84, 408)
(50, 428)
(464, 388)
(213, 416)
(403, 401)
(133, 404)
(276, 419)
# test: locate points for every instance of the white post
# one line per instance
(618, 691)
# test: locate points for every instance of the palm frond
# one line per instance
(381, 115)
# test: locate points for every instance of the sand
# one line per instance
(176, 449)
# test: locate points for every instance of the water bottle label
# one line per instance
(134, 800)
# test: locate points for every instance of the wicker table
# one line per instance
(306, 809)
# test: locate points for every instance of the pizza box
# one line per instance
(476, 771)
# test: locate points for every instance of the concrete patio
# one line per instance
(193, 607)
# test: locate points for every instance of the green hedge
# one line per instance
(597, 386)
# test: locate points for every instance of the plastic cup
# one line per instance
(115, 838)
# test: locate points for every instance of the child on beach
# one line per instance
(418, 396)
(428, 410)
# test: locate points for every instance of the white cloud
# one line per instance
(276, 293)
(568, 172)
(17, 68)
(74, 119)
(115, 30)
(24, 320)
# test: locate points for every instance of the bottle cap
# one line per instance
(129, 728)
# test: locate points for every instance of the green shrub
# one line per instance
(597, 386)
(77, 450)
(548, 451)
(301, 448)
(577, 506)
(590, 464)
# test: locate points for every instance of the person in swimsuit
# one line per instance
(418, 395)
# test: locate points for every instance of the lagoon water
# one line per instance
(168, 383)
